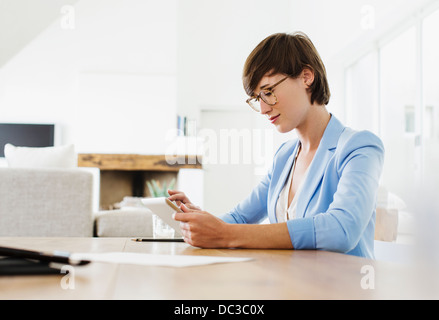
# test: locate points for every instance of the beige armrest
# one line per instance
(124, 223)
(386, 226)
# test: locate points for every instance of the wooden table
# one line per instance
(272, 274)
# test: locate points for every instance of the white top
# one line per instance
(283, 211)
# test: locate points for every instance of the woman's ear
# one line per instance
(308, 76)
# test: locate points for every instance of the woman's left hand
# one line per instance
(202, 229)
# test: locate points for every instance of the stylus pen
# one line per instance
(158, 240)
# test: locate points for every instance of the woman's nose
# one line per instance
(265, 108)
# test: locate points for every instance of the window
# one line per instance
(430, 120)
(398, 78)
(393, 91)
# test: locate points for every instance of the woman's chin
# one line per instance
(283, 129)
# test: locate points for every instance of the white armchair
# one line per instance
(46, 202)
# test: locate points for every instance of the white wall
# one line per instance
(110, 82)
(214, 39)
(22, 20)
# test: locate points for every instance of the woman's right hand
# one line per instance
(179, 197)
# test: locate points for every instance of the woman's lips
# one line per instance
(273, 119)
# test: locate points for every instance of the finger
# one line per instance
(185, 208)
(174, 197)
(184, 226)
(186, 234)
(183, 216)
(192, 206)
(175, 192)
(188, 240)
(178, 197)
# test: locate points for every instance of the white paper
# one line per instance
(147, 259)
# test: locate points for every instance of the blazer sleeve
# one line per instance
(359, 165)
(253, 209)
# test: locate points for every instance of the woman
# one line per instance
(321, 190)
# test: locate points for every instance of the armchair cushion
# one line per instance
(44, 157)
(132, 222)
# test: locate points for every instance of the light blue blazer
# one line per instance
(336, 207)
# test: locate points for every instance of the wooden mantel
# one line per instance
(134, 162)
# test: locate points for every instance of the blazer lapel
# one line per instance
(315, 175)
(324, 152)
(282, 179)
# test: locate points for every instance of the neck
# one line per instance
(311, 130)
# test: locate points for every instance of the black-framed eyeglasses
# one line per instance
(267, 95)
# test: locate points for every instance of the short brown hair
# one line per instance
(287, 54)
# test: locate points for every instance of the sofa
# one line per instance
(57, 202)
